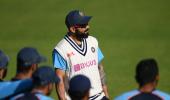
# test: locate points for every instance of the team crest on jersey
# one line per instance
(93, 49)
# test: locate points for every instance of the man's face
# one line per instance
(82, 31)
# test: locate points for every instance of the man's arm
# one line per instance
(60, 87)
(103, 80)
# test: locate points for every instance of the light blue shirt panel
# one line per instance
(59, 61)
(12, 87)
(17, 96)
(100, 55)
(38, 95)
(164, 95)
(43, 97)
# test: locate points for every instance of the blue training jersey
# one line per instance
(10, 88)
(35, 96)
(132, 95)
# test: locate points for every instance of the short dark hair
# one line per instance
(77, 95)
(79, 87)
(146, 71)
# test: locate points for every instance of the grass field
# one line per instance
(127, 30)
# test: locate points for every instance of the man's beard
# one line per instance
(79, 35)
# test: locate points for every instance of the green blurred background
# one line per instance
(127, 30)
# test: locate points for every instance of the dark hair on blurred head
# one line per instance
(146, 71)
(79, 87)
(77, 95)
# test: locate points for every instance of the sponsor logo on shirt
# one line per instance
(87, 64)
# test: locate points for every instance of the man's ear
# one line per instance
(157, 77)
(34, 67)
(3, 73)
(72, 29)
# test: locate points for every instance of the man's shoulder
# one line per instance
(61, 43)
(92, 39)
(162, 94)
(127, 95)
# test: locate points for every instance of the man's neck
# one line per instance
(1, 77)
(21, 76)
(39, 90)
(1, 73)
(148, 88)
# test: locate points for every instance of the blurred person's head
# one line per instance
(79, 87)
(3, 65)
(77, 24)
(147, 72)
(44, 79)
(28, 59)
